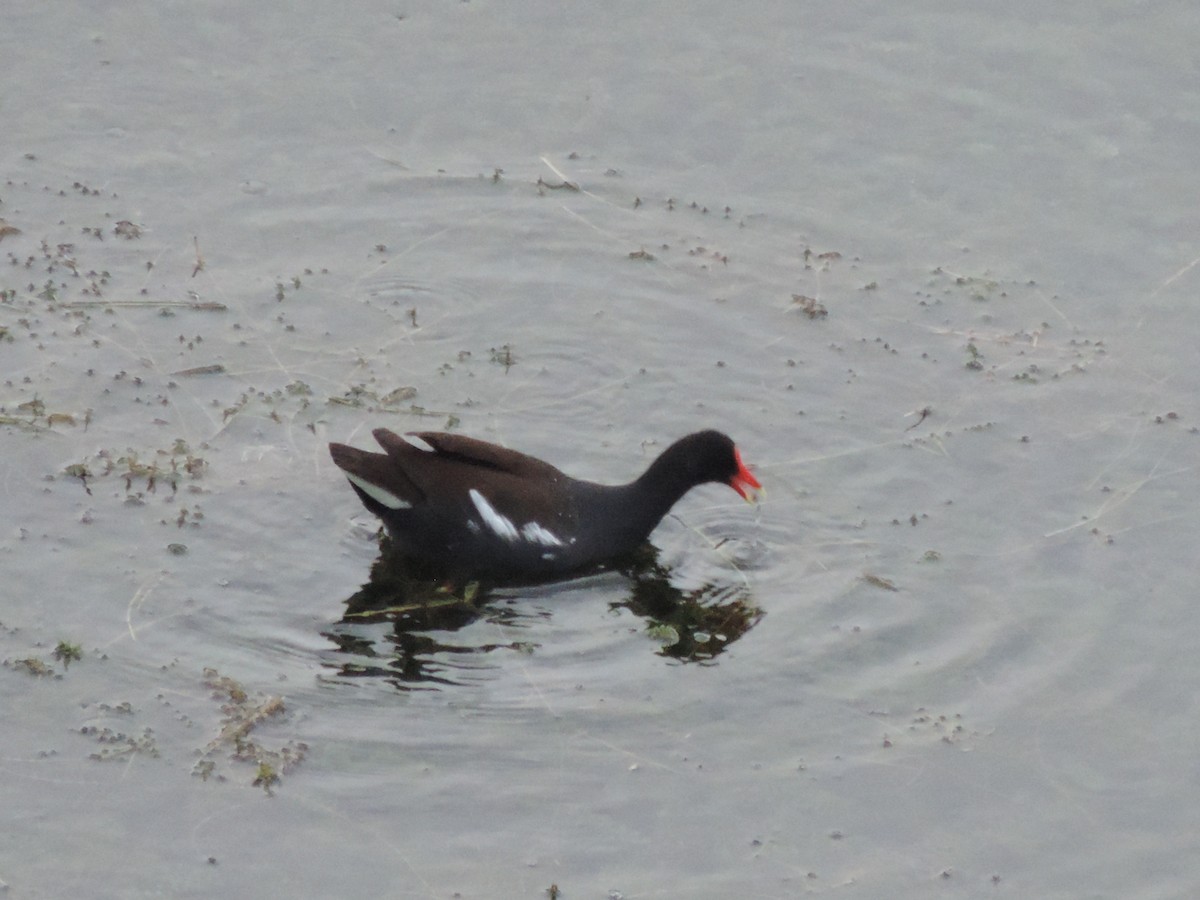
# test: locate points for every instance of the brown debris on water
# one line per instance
(243, 714)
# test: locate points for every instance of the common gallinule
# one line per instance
(470, 509)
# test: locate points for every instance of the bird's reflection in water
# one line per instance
(692, 626)
(422, 614)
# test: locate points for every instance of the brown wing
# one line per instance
(474, 452)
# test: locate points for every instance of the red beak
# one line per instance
(744, 481)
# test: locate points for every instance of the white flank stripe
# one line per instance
(539, 535)
(378, 494)
(498, 523)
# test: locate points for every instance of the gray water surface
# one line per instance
(932, 265)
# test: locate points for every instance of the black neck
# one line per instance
(660, 487)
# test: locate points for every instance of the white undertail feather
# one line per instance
(419, 442)
(378, 494)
